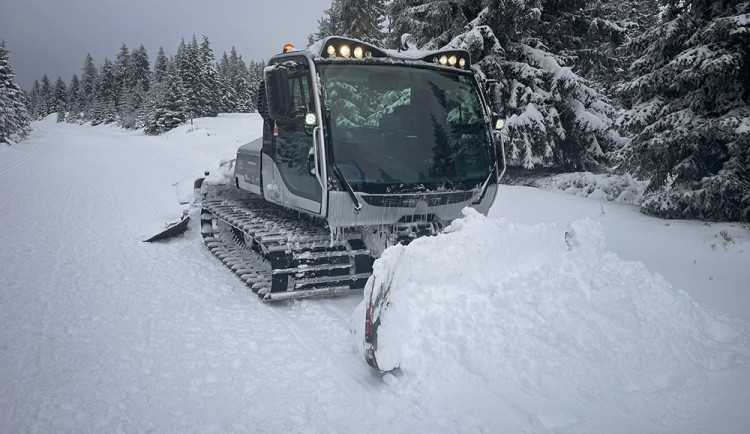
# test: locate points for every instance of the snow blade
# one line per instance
(173, 229)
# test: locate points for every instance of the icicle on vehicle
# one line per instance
(362, 148)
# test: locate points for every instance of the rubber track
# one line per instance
(279, 253)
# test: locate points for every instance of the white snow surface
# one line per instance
(545, 314)
(634, 324)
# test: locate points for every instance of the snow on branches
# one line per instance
(14, 119)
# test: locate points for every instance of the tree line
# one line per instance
(657, 88)
(132, 94)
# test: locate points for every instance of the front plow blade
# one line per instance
(172, 230)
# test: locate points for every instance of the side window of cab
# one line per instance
(294, 141)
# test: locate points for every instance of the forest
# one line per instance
(659, 89)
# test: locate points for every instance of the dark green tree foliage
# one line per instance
(161, 66)
(60, 97)
(234, 77)
(328, 24)
(208, 88)
(690, 112)
(555, 117)
(14, 117)
(255, 79)
(75, 100)
(104, 109)
(589, 36)
(189, 70)
(140, 75)
(359, 19)
(166, 109)
(89, 78)
(433, 24)
(46, 103)
(34, 100)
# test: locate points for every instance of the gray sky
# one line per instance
(53, 36)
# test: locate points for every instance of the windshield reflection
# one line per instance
(396, 128)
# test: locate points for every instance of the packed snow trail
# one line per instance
(100, 332)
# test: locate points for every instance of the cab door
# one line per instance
(292, 151)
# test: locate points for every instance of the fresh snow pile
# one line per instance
(612, 188)
(543, 320)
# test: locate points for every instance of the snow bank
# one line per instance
(613, 188)
(544, 312)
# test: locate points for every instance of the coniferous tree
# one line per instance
(161, 66)
(75, 100)
(555, 117)
(46, 103)
(60, 97)
(359, 19)
(89, 78)
(166, 108)
(122, 72)
(328, 24)
(689, 106)
(34, 100)
(226, 87)
(14, 117)
(189, 70)
(255, 79)
(208, 91)
(104, 109)
(140, 77)
(433, 24)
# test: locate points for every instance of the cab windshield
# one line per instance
(400, 129)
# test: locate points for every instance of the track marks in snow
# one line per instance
(22, 161)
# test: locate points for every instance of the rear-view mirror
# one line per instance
(278, 96)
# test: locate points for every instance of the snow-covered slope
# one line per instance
(100, 332)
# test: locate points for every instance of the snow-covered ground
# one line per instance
(641, 326)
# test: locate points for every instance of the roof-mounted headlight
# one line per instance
(336, 46)
(456, 58)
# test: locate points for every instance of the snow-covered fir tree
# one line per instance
(161, 66)
(359, 19)
(689, 111)
(433, 24)
(14, 117)
(555, 116)
(89, 78)
(46, 103)
(34, 100)
(75, 100)
(104, 109)
(166, 107)
(208, 91)
(60, 97)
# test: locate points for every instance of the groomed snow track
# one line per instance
(281, 254)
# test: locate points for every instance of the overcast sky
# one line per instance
(53, 36)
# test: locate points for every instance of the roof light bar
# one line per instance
(455, 58)
(336, 46)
